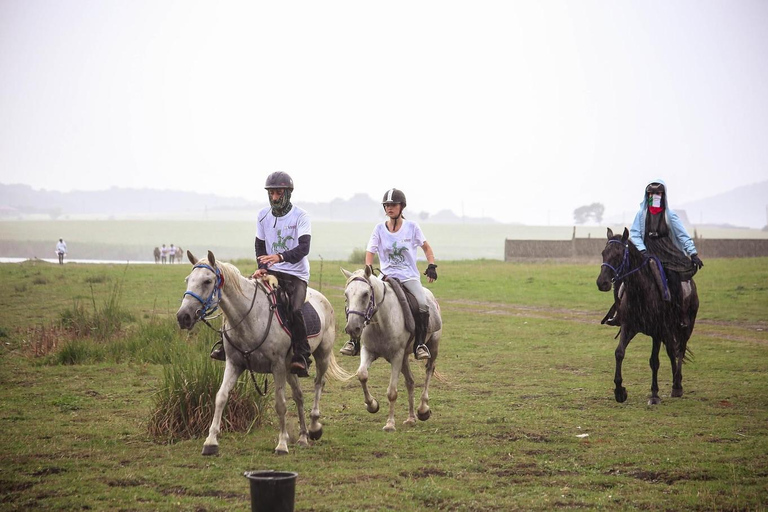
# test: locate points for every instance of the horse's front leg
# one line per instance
(315, 427)
(620, 392)
(366, 359)
(279, 373)
(654, 362)
(409, 385)
(231, 373)
(397, 363)
(298, 399)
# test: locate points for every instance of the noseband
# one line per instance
(372, 308)
(211, 304)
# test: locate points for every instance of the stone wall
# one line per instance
(590, 248)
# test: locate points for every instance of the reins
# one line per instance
(204, 315)
(620, 272)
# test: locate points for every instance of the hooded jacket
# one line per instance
(677, 231)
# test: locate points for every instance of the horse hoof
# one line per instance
(316, 434)
(425, 415)
(621, 395)
(389, 428)
(677, 393)
(410, 422)
(654, 401)
(279, 451)
(373, 407)
(210, 449)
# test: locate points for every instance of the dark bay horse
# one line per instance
(642, 309)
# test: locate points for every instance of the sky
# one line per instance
(517, 110)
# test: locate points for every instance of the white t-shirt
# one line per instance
(282, 234)
(397, 251)
(61, 247)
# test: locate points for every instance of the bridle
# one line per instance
(623, 270)
(208, 305)
(371, 308)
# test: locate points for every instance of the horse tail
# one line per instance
(336, 372)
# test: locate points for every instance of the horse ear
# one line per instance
(192, 259)
(625, 235)
(346, 273)
(211, 259)
(610, 233)
(367, 271)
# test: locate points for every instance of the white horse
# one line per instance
(254, 340)
(375, 317)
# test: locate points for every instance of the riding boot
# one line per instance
(420, 350)
(351, 347)
(300, 345)
(612, 317)
(217, 351)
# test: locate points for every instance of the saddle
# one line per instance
(281, 301)
(407, 302)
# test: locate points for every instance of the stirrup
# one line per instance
(217, 352)
(300, 366)
(350, 348)
(422, 352)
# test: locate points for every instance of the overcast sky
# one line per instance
(520, 111)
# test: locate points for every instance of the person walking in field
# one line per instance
(283, 235)
(395, 241)
(657, 230)
(164, 254)
(61, 250)
(171, 254)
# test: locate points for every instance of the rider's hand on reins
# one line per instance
(697, 261)
(431, 272)
(260, 272)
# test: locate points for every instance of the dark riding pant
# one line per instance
(296, 289)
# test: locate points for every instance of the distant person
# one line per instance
(163, 254)
(61, 250)
(179, 253)
(658, 231)
(283, 235)
(395, 241)
(157, 254)
(171, 254)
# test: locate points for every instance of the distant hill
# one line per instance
(741, 207)
(22, 201)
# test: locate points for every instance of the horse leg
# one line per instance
(677, 371)
(397, 363)
(424, 412)
(409, 385)
(654, 361)
(298, 399)
(231, 373)
(315, 427)
(279, 374)
(366, 359)
(620, 392)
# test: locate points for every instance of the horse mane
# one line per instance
(230, 272)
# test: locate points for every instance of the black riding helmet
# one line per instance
(280, 180)
(393, 196)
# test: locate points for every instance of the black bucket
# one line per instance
(272, 491)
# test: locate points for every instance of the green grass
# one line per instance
(527, 370)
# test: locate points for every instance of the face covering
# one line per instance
(654, 203)
(282, 205)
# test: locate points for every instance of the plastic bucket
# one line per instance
(272, 491)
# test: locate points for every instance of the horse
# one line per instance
(255, 341)
(157, 254)
(642, 309)
(375, 317)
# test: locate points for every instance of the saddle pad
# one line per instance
(407, 302)
(311, 319)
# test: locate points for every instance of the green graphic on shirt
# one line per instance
(280, 244)
(397, 257)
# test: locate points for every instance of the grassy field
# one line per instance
(524, 418)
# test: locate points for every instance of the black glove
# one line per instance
(431, 271)
(696, 260)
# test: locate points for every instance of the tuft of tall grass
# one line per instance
(184, 406)
(104, 323)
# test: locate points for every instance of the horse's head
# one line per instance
(360, 300)
(203, 293)
(615, 255)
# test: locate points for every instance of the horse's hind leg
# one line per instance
(279, 374)
(424, 411)
(298, 399)
(654, 361)
(231, 373)
(409, 385)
